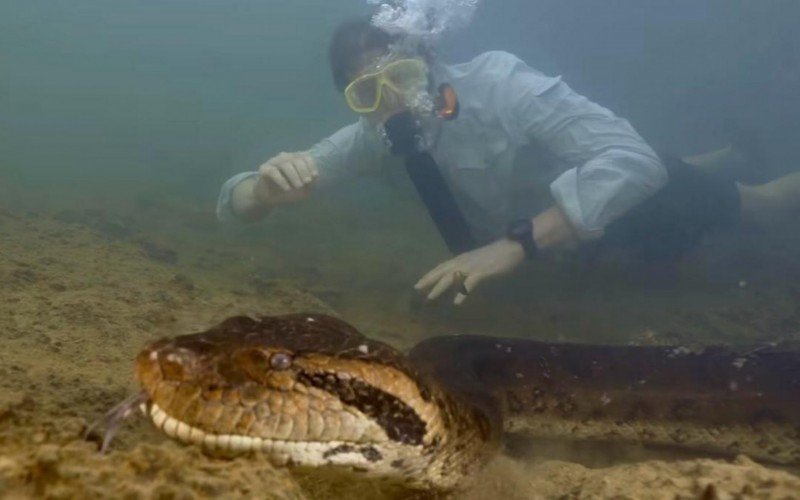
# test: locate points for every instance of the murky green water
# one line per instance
(119, 122)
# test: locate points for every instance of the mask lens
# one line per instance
(406, 75)
(363, 93)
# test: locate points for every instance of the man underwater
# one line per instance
(460, 128)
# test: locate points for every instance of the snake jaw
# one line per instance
(416, 466)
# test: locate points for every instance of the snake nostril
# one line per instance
(280, 361)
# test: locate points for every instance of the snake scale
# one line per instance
(310, 390)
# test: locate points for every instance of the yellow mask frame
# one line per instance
(364, 94)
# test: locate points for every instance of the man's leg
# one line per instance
(743, 159)
(714, 160)
(761, 204)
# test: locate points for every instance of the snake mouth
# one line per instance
(388, 461)
(279, 451)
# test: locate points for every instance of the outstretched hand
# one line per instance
(464, 272)
(286, 178)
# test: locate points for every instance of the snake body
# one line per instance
(310, 390)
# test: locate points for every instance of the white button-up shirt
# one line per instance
(597, 166)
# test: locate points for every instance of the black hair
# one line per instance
(350, 42)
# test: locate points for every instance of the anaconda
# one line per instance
(310, 390)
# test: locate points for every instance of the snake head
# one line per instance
(307, 390)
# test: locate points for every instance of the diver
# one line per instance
(461, 131)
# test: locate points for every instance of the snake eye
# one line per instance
(174, 364)
(280, 361)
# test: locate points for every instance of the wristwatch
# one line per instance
(521, 231)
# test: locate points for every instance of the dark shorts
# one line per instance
(693, 204)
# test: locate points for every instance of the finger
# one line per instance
(270, 172)
(441, 286)
(290, 172)
(469, 285)
(433, 275)
(437, 272)
(301, 165)
(312, 165)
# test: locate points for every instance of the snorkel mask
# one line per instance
(407, 79)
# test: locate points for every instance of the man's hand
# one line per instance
(467, 270)
(285, 178)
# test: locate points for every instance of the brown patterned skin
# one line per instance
(311, 390)
(715, 399)
(299, 379)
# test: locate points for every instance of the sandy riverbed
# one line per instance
(82, 291)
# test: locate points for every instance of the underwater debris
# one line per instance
(263, 285)
(5, 212)
(158, 253)
(183, 282)
(25, 275)
(99, 221)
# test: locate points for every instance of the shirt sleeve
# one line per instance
(354, 149)
(225, 211)
(610, 167)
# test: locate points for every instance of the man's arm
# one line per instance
(291, 177)
(612, 168)
(286, 178)
(245, 204)
(552, 229)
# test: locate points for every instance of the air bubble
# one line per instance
(426, 19)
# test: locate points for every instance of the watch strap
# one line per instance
(521, 231)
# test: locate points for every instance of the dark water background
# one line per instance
(161, 101)
(196, 90)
